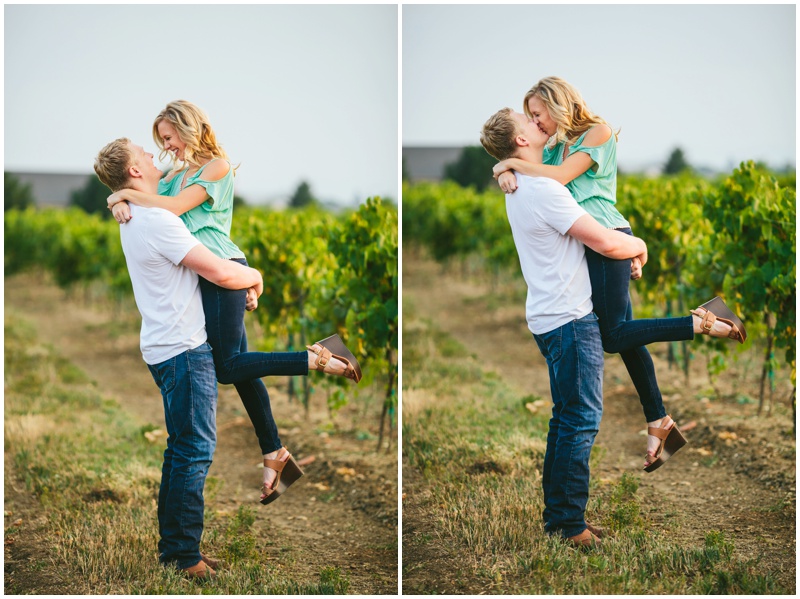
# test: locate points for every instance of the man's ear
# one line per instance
(134, 172)
(522, 141)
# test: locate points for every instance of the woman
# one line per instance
(581, 154)
(200, 190)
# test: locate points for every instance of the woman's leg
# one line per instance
(224, 309)
(626, 336)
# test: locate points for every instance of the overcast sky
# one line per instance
(717, 81)
(294, 92)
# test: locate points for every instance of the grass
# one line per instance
(479, 451)
(92, 478)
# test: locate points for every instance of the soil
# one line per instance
(342, 513)
(748, 493)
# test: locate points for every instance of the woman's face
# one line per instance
(541, 117)
(169, 137)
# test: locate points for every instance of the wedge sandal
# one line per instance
(334, 347)
(671, 441)
(716, 309)
(288, 473)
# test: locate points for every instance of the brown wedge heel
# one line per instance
(671, 441)
(716, 309)
(288, 473)
(334, 347)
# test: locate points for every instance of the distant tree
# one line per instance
(473, 168)
(302, 196)
(17, 194)
(238, 201)
(92, 197)
(676, 163)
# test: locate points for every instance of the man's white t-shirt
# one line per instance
(540, 213)
(167, 294)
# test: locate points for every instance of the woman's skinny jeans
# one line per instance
(627, 337)
(224, 309)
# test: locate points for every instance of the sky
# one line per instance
(717, 81)
(294, 93)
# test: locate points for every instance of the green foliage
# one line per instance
(676, 163)
(753, 254)
(302, 196)
(17, 195)
(734, 237)
(92, 198)
(322, 274)
(473, 168)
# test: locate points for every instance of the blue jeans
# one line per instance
(189, 390)
(574, 355)
(224, 309)
(627, 337)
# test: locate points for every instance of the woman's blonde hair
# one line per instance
(195, 131)
(566, 107)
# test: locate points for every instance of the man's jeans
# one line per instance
(189, 388)
(574, 354)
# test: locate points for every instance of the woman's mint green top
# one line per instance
(210, 222)
(595, 191)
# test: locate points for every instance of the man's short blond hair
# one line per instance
(112, 164)
(499, 134)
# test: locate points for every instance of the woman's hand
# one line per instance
(121, 212)
(251, 303)
(115, 198)
(500, 168)
(508, 182)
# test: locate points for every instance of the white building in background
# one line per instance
(427, 163)
(52, 189)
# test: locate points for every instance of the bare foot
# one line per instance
(653, 442)
(719, 328)
(334, 366)
(269, 474)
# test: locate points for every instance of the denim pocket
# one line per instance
(164, 374)
(550, 344)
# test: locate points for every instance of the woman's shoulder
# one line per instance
(596, 136)
(215, 169)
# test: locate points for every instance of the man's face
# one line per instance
(530, 130)
(144, 162)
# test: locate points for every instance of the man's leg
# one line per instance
(548, 344)
(575, 360)
(189, 389)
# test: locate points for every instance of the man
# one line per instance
(164, 262)
(550, 230)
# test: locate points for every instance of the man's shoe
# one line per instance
(586, 539)
(214, 563)
(200, 570)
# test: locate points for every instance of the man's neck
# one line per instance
(144, 187)
(530, 154)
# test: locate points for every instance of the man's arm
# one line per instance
(225, 273)
(611, 244)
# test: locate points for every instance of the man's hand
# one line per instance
(507, 182)
(636, 268)
(122, 212)
(252, 300)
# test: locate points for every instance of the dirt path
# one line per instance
(343, 513)
(749, 493)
